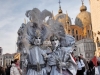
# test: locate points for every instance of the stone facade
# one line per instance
(1, 60)
(7, 59)
(0, 50)
(85, 47)
(95, 16)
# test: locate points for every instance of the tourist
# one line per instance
(80, 65)
(15, 69)
(91, 68)
(85, 62)
(8, 69)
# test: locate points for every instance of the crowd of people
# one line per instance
(13, 69)
(85, 67)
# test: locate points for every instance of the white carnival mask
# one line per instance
(37, 41)
(55, 42)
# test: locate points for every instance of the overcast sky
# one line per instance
(12, 14)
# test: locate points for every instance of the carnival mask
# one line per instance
(37, 38)
(37, 41)
(54, 41)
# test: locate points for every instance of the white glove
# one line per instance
(68, 64)
(62, 64)
(45, 56)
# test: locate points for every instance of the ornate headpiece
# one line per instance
(54, 37)
(38, 33)
(37, 27)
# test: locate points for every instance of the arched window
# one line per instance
(76, 32)
(76, 37)
(98, 42)
(68, 31)
(73, 31)
(88, 33)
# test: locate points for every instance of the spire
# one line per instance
(59, 4)
(60, 10)
(83, 8)
(82, 2)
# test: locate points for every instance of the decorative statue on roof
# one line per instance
(56, 59)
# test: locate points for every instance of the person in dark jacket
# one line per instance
(2, 71)
(91, 70)
(8, 69)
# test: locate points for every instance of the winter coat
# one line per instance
(14, 70)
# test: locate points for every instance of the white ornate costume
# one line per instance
(37, 31)
(60, 59)
(62, 62)
(36, 62)
(36, 34)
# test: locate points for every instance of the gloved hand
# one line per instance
(45, 56)
(68, 64)
(61, 64)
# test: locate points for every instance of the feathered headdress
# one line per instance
(37, 17)
(56, 28)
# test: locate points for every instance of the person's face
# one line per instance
(55, 42)
(77, 59)
(81, 56)
(18, 62)
(37, 41)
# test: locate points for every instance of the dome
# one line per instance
(83, 18)
(83, 8)
(63, 17)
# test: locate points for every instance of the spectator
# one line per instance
(15, 69)
(98, 63)
(85, 62)
(91, 68)
(80, 65)
(2, 71)
(8, 69)
(94, 60)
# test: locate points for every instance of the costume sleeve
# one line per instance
(51, 60)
